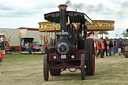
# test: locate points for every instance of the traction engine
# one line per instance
(71, 48)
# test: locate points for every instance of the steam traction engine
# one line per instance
(71, 48)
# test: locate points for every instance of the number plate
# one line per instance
(63, 56)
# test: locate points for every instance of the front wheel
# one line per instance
(82, 67)
(54, 72)
(45, 68)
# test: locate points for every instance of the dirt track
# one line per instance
(27, 70)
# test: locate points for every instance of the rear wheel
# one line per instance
(45, 68)
(90, 63)
(54, 72)
(82, 67)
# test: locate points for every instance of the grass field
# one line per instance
(28, 70)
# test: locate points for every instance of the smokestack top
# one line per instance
(62, 7)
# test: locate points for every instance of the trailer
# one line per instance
(28, 46)
(13, 35)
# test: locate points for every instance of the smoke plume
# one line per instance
(119, 12)
(74, 6)
(87, 8)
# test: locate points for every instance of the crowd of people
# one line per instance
(109, 47)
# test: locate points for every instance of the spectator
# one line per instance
(105, 43)
(30, 49)
(102, 47)
(119, 47)
(110, 47)
(114, 47)
(124, 43)
(97, 48)
(23, 47)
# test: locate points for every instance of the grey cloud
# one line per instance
(94, 9)
(99, 8)
(121, 3)
(116, 1)
(89, 9)
(21, 13)
(35, 7)
(50, 5)
(5, 7)
(122, 11)
(125, 4)
(25, 12)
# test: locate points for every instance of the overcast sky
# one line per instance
(27, 13)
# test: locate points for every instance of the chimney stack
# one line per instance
(62, 8)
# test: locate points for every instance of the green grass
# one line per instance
(28, 70)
